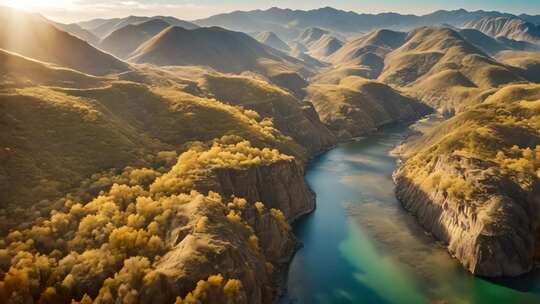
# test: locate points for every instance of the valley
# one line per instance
(270, 156)
(373, 250)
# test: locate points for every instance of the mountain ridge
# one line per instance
(34, 36)
(339, 20)
(123, 41)
(511, 28)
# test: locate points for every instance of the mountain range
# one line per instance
(289, 23)
(103, 27)
(172, 154)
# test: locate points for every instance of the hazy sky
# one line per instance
(75, 10)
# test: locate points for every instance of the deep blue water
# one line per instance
(360, 246)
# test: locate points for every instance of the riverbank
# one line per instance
(361, 246)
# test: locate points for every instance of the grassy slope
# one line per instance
(151, 235)
(125, 40)
(224, 51)
(57, 137)
(218, 48)
(33, 36)
(291, 116)
(357, 106)
(23, 71)
(528, 63)
(431, 56)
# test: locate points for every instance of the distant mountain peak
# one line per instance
(272, 40)
(288, 24)
(506, 26)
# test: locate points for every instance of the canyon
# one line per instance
(173, 154)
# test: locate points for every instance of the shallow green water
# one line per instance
(360, 246)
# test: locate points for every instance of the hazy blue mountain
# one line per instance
(124, 41)
(77, 31)
(289, 23)
(271, 39)
(530, 18)
(509, 27)
(103, 27)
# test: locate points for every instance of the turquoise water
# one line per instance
(360, 246)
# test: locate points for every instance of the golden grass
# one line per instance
(503, 132)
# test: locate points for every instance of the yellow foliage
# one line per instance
(201, 224)
(228, 152)
(278, 215)
(260, 207)
(269, 267)
(254, 242)
(114, 239)
(232, 288)
(234, 216)
(215, 280)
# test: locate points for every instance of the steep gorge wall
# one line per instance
(280, 185)
(492, 235)
(196, 256)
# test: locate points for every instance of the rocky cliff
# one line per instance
(473, 181)
(225, 249)
(493, 234)
(265, 195)
(185, 233)
(279, 185)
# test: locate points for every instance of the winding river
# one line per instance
(360, 246)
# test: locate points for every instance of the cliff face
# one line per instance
(222, 248)
(492, 235)
(474, 182)
(185, 232)
(279, 185)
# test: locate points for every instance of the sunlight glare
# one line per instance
(34, 4)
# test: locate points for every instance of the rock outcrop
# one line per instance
(279, 185)
(473, 181)
(264, 195)
(224, 249)
(186, 234)
(493, 235)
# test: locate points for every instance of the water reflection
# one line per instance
(360, 246)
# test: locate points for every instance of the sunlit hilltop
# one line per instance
(269, 152)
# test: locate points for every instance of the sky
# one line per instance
(78, 10)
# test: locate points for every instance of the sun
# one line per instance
(33, 4)
(13, 3)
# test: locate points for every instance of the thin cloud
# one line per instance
(76, 10)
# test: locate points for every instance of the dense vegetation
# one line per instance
(115, 246)
(502, 132)
(109, 124)
(112, 186)
(76, 226)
